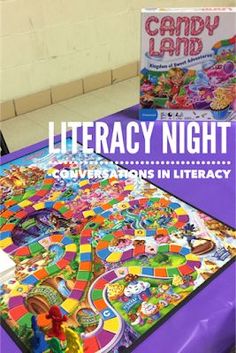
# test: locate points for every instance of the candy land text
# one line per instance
(179, 36)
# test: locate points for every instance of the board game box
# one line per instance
(98, 263)
(188, 64)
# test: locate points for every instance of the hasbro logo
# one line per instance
(148, 114)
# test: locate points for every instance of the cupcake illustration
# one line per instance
(221, 103)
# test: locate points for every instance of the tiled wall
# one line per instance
(46, 43)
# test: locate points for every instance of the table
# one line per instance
(201, 317)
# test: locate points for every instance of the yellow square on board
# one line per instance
(71, 247)
(192, 257)
(39, 206)
(85, 248)
(112, 325)
(140, 232)
(5, 243)
(88, 213)
(124, 205)
(25, 203)
(180, 211)
(70, 305)
(114, 257)
(51, 171)
(54, 196)
(83, 182)
(19, 289)
(129, 187)
(134, 270)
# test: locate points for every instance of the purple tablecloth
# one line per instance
(206, 323)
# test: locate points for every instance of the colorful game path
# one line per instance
(111, 325)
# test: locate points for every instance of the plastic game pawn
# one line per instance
(73, 342)
(55, 346)
(38, 343)
(57, 321)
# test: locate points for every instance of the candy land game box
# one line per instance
(188, 64)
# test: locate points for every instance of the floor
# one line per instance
(32, 127)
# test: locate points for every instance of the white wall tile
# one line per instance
(49, 42)
(21, 49)
(19, 16)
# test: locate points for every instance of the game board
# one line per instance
(116, 255)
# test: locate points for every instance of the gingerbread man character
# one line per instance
(57, 321)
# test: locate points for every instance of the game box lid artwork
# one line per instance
(188, 64)
(97, 261)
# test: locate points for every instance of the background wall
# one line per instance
(48, 42)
